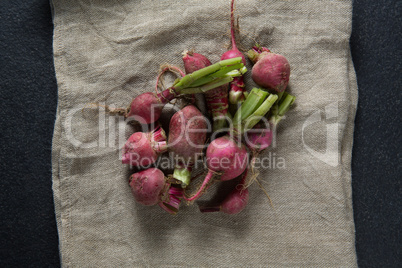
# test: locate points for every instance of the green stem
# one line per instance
(187, 80)
(285, 103)
(214, 84)
(235, 73)
(262, 110)
(253, 55)
(227, 69)
(283, 106)
(230, 70)
(280, 95)
(275, 108)
(252, 102)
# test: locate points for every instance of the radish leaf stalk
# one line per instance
(217, 98)
(147, 107)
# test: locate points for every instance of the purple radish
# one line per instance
(235, 202)
(270, 70)
(150, 187)
(259, 138)
(225, 156)
(142, 149)
(187, 135)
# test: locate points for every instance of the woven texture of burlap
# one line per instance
(108, 52)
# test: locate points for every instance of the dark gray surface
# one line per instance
(27, 114)
(28, 105)
(376, 161)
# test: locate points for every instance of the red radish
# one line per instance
(270, 70)
(259, 138)
(217, 99)
(236, 92)
(235, 202)
(226, 156)
(147, 107)
(143, 149)
(148, 186)
(194, 61)
(187, 134)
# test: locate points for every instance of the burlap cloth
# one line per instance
(107, 52)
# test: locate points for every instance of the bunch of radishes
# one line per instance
(236, 137)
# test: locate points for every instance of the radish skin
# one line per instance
(147, 107)
(225, 156)
(142, 149)
(270, 70)
(187, 135)
(259, 138)
(148, 186)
